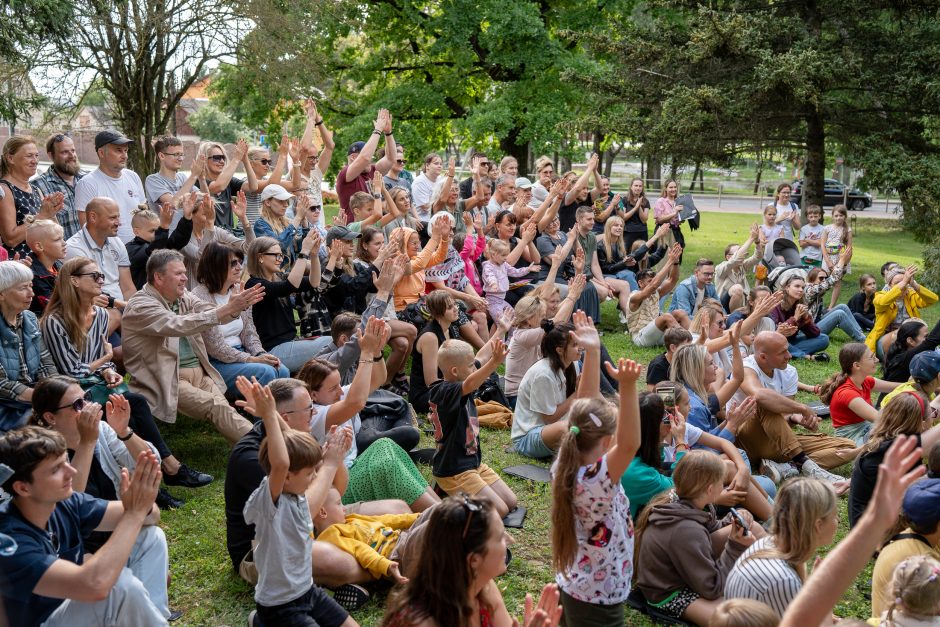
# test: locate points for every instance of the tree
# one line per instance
(488, 72)
(211, 123)
(706, 82)
(144, 53)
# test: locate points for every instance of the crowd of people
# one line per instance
(311, 345)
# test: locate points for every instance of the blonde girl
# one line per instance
(683, 553)
(915, 588)
(773, 570)
(592, 533)
(771, 229)
(836, 238)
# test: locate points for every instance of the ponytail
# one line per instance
(850, 354)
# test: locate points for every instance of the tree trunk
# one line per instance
(597, 138)
(695, 175)
(654, 173)
(611, 155)
(519, 151)
(814, 172)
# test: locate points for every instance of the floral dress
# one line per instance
(603, 565)
(26, 203)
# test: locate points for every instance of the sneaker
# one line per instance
(812, 469)
(778, 472)
(253, 620)
(351, 596)
(165, 500)
(623, 316)
(187, 477)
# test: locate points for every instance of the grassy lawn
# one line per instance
(206, 589)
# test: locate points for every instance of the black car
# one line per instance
(835, 194)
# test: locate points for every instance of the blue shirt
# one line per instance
(686, 294)
(37, 549)
(703, 416)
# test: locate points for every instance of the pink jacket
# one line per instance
(472, 249)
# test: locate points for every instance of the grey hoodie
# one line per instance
(676, 553)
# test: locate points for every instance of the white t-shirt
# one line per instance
(421, 191)
(126, 191)
(807, 231)
(524, 351)
(541, 391)
(231, 331)
(110, 258)
(782, 382)
(318, 427)
(692, 435)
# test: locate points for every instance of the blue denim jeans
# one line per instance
(625, 275)
(296, 353)
(801, 346)
(263, 372)
(840, 317)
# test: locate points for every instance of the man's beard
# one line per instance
(69, 167)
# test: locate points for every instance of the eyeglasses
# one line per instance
(278, 256)
(97, 277)
(235, 263)
(78, 404)
(175, 155)
(471, 508)
(719, 323)
(309, 410)
(219, 158)
(265, 161)
(708, 274)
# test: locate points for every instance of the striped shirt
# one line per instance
(771, 581)
(65, 354)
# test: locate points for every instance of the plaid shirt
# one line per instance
(49, 183)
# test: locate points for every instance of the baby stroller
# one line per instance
(781, 248)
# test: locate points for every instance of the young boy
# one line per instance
(658, 369)
(46, 239)
(367, 208)
(811, 237)
(377, 542)
(152, 232)
(457, 465)
(285, 593)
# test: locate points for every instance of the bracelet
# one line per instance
(376, 132)
(378, 359)
(303, 256)
(130, 434)
(366, 361)
(388, 134)
(319, 122)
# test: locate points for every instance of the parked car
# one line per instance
(835, 194)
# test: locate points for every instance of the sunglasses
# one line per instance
(265, 161)
(218, 158)
(400, 161)
(78, 404)
(95, 276)
(472, 508)
(235, 263)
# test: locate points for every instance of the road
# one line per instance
(754, 205)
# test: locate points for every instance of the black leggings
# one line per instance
(143, 424)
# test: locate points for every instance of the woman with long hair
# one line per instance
(274, 316)
(205, 230)
(453, 583)
(76, 332)
(818, 282)
(220, 182)
(274, 222)
(773, 569)
(234, 348)
(795, 322)
(18, 163)
(665, 212)
(636, 214)
(546, 393)
(908, 413)
(267, 171)
(912, 339)
(848, 393)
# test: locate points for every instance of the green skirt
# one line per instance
(384, 471)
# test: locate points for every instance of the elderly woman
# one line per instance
(19, 337)
(18, 164)
(234, 348)
(77, 331)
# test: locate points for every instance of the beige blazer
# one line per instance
(150, 333)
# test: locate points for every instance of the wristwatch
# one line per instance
(110, 302)
(130, 434)
(303, 256)
(377, 196)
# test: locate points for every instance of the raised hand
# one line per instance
(311, 243)
(506, 319)
(242, 299)
(338, 443)
(801, 312)
(241, 149)
(284, 147)
(119, 413)
(189, 204)
(500, 350)
(786, 329)
(741, 413)
(88, 422)
(258, 401)
(576, 286)
(199, 165)
(626, 372)
(451, 167)
(52, 204)
(377, 182)
(548, 611)
(578, 261)
(585, 333)
(310, 107)
(139, 493)
(166, 215)
(371, 342)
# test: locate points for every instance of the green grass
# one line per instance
(205, 588)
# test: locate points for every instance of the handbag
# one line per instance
(97, 390)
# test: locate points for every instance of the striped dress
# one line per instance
(770, 581)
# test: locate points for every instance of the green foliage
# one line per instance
(210, 122)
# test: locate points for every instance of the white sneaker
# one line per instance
(812, 469)
(623, 316)
(777, 471)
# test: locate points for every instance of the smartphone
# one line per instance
(667, 392)
(739, 520)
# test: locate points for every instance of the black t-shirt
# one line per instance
(566, 215)
(223, 203)
(242, 477)
(418, 387)
(633, 224)
(658, 370)
(864, 476)
(274, 315)
(456, 429)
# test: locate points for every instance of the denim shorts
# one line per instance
(532, 445)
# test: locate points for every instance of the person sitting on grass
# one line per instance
(745, 613)
(916, 592)
(457, 465)
(924, 380)
(731, 274)
(920, 513)
(903, 299)
(372, 540)
(683, 552)
(592, 539)
(658, 368)
(690, 292)
(848, 393)
(48, 579)
(912, 339)
(773, 569)
(285, 593)
(152, 232)
(644, 322)
(795, 322)
(454, 584)
(862, 303)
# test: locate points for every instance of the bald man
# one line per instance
(98, 241)
(769, 437)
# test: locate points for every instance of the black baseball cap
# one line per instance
(110, 137)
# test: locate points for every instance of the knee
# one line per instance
(400, 344)
(736, 291)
